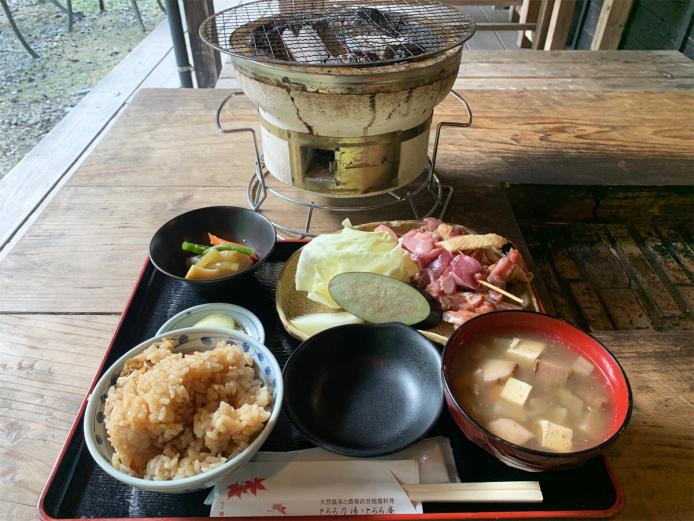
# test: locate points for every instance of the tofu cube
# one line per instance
(550, 374)
(582, 367)
(572, 402)
(510, 430)
(504, 409)
(555, 437)
(494, 370)
(516, 391)
(525, 351)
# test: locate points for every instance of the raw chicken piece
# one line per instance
(417, 242)
(440, 264)
(464, 269)
(501, 271)
(389, 231)
(458, 317)
(425, 259)
(431, 223)
(446, 231)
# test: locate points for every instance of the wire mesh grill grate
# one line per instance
(337, 32)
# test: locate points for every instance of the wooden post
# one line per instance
(206, 60)
(560, 24)
(613, 18)
(540, 32)
(528, 14)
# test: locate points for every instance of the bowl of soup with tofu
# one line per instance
(534, 391)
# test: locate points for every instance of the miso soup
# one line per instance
(533, 391)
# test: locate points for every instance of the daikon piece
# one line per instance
(526, 351)
(503, 342)
(504, 409)
(539, 405)
(591, 424)
(582, 367)
(516, 391)
(510, 430)
(558, 415)
(495, 370)
(570, 401)
(592, 397)
(555, 437)
(550, 374)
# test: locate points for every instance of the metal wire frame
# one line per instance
(337, 32)
(428, 182)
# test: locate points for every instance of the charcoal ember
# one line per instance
(387, 23)
(353, 57)
(306, 46)
(267, 39)
(403, 51)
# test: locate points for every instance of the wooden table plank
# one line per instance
(85, 250)
(516, 137)
(659, 366)
(623, 70)
(24, 187)
(88, 246)
(655, 457)
(46, 365)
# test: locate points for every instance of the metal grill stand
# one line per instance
(428, 183)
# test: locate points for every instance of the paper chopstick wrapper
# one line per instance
(434, 456)
(317, 488)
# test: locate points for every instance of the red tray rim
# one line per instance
(536, 514)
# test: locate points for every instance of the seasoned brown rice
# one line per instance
(171, 416)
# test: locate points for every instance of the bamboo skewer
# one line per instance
(499, 290)
(483, 492)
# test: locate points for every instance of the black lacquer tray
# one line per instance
(79, 489)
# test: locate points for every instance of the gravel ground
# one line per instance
(36, 93)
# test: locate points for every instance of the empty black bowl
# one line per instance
(229, 222)
(364, 389)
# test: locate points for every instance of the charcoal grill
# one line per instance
(345, 94)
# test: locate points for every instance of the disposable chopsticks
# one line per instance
(482, 492)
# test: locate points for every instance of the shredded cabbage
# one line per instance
(349, 250)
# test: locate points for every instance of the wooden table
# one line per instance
(65, 282)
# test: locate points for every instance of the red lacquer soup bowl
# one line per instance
(537, 324)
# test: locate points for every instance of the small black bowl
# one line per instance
(364, 389)
(229, 222)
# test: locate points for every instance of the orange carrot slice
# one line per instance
(214, 241)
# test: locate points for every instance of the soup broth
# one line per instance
(533, 391)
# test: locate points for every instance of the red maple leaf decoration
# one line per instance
(251, 486)
(278, 507)
(254, 485)
(235, 489)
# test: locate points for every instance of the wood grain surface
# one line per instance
(66, 280)
(561, 70)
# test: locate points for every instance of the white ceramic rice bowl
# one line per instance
(187, 340)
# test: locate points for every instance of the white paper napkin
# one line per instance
(317, 488)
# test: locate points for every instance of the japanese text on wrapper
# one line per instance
(356, 506)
